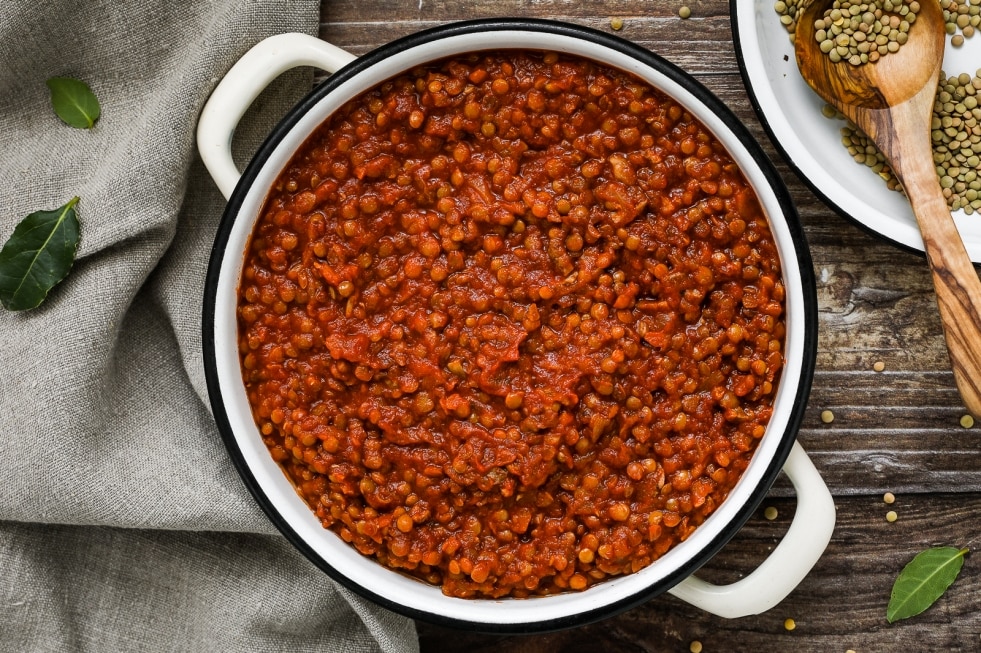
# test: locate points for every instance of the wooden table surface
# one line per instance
(897, 430)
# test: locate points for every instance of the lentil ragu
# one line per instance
(511, 323)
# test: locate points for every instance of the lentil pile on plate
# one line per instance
(961, 17)
(955, 133)
(956, 123)
(862, 32)
(512, 323)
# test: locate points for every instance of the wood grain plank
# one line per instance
(665, 37)
(840, 605)
(418, 12)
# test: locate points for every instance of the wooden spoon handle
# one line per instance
(954, 278)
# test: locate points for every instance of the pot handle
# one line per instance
(790, 561)
(250, 75)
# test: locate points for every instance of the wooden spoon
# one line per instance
(892, 101)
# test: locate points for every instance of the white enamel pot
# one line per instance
(760, 589)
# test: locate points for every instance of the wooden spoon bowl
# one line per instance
(892, 101)
(892, 80)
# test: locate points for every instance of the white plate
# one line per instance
(811, 143)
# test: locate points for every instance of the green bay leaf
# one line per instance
(923, 581)
(37, 256)
(74, 102)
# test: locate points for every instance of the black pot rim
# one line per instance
(614, 43)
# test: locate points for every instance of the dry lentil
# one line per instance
(829, 111)
(956, 142)
(789, 11)
(864, 151)
(487, 403)
(891, 516)
(861, 32)
(888, 497)
(962, 16)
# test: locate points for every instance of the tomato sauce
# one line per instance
(511, 323)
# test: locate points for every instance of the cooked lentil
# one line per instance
(789, 624)
(827, 416)
(695, 646)
(512, 323)
(878, 366)
(967, 421)
(891, 516)
(770, 513)
(888, 497)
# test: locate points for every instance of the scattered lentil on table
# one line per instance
(878, 366)
(967, 421)
(827, 416)
(891, 516)
(684, 11)
(512, 323)
(789, 624)
(616, 23)
(770, 513)
(888, 498)
(695, 646)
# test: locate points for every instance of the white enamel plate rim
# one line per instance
(811, 143)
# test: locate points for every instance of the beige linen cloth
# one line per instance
(123, 525)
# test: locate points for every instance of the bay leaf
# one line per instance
(37, 256)
(74, 102)
(923, 581)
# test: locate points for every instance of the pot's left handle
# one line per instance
(257, 68)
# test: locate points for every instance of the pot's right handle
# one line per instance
(789, 562)
(257, 68)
